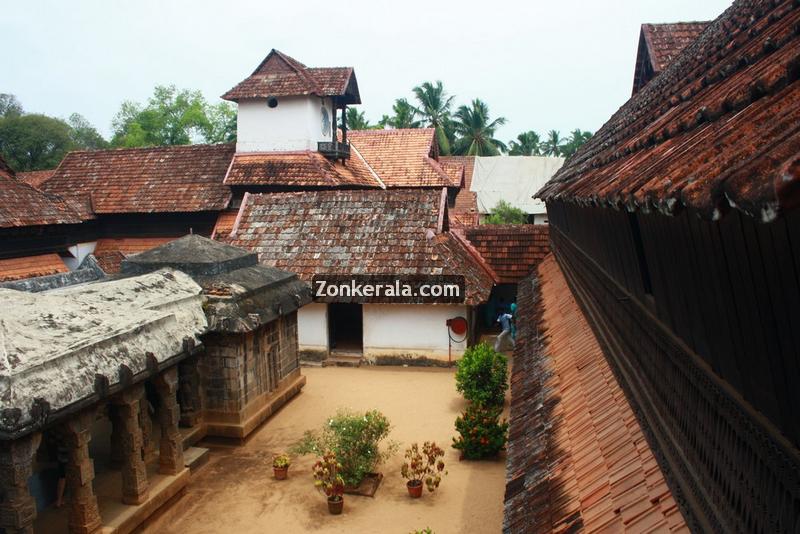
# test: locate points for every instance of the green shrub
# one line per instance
(482, 433)
(482, 375)
(355, 439)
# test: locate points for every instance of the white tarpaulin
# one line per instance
(514, 179)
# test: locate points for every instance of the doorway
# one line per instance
(346, 327)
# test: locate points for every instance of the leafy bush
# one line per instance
(326, 475)
(505, 213)
(482, 375)
(482, 433)
(426, 530)
(423, 466)
(354, 439)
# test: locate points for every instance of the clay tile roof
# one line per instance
(225, 222)
(357, 232)
(280, 75)
(577, 458)
(35, 178)
(465, 210)
(717, 129)
(666, 41)
(145, 180)
(513, 250)
(404, 157)
(31, 267)
(23, 205)
(109, 252)
(299, 169)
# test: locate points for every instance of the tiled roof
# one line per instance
(146, 180)
(465, 210)
(299, 169)
(357, 232)
(577, 458)
(225, 221)
(666, 41)
(717, 129)
(513, 250)
(404, 157)
(23, 205)
(280, 75)
(35, 178)
(31, 267)
(109, 251)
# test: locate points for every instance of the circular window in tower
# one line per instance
(326, 121)
(272, 102)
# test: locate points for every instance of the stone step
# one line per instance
(311, 363)
(195, 457)
(343, 360)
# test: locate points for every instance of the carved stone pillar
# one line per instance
(84, 513)
(171, 449)
(18, 509)
(189, 391)
(134, 472)
(146, 422)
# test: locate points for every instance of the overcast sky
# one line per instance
(541, 64)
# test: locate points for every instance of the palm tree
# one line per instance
(356, 120)
(576, 138)
(527, 144)
(404, 115)
(434, 108)
(553, 145)
(476, 131)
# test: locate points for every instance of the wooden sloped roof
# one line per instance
(659, 45)
(577, 458)
(185, 178)
(369, 231)
(23, 205)
(718, 129)
(280, 75)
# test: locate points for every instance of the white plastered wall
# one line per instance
(296, 123)
(312, 328)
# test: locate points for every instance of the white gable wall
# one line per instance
(294, 124)
(515, 179)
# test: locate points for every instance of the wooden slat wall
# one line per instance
(729, 290)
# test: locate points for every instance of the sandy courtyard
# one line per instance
(235, 491)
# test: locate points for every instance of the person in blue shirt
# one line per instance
(505, 321)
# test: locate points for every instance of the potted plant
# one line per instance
(482, 434)
(328, 480)
(280, 465)
(423, 466)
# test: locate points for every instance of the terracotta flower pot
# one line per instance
(335, 504)
(281, 472)
(414, 488)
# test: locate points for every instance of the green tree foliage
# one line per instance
(482, 434)
(34, 142)
(172, 117)
(475, 131)
(482, 375)
(222, 121)
(526, 144)
(405, 116)
(83, 134)
(553, 144)
(434, 108)
(576, 139)
(505, 213)
(356, 120)
(10, 106)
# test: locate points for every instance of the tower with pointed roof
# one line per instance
(286, 106)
